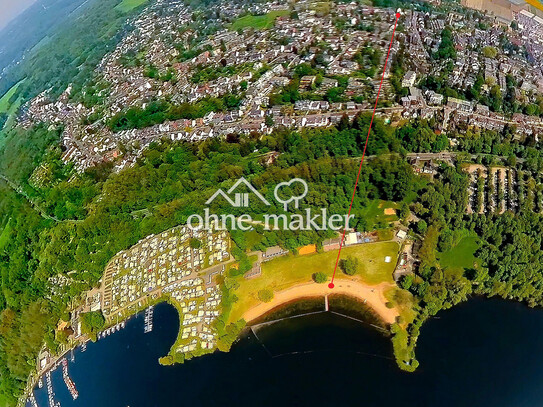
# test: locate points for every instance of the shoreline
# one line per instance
(372, 296)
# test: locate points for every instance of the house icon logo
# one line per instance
(240, 200)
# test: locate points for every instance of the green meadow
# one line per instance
(258, 22)
(127, 5)
(462, 255)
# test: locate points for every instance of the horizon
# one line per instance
(11, 9)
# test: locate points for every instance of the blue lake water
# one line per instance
(481, 353)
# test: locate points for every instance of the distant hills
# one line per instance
(32, 26)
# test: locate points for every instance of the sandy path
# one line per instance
(374, 296)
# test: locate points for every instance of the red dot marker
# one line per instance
(398, 15)
(331, 285)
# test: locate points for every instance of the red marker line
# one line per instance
(331, 285)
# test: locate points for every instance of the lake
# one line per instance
(480, 353)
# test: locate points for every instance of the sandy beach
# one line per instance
(374, 296)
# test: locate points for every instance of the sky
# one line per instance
(9, 9)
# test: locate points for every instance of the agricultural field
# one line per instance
(258, 22)
(4, 100)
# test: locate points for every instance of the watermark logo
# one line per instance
(241, 200)
(285, 193)
(296, 199)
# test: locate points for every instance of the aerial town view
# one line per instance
(269, 202)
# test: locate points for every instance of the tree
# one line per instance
(166, 360)
(320, 277)
(422, 226)
(265, 295)
(496, 98)
(406, 281)
(404, 211)
(344, 122)
(195, 243)
(446, 46)
(350, 265)
(490, 52)
(511, 160)
(91, 323)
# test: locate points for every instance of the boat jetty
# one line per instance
(148, 327)
(68, 381)
(50, 392)
(107, 332)
(32, 400)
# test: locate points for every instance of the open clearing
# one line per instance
(462, 256)
(375, 214)
(258, 22)
(285, 272)
(127, 5)
(5, 106)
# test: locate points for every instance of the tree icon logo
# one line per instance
(296, 198)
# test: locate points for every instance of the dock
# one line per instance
(50, 392)
(32, 400)
(148, 327)
(68, 381)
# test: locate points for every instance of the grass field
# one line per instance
(258, 22)
(9, 108)
(127, 5)
(461, 256)
(374, 213)
(287, 271)
(5, 106)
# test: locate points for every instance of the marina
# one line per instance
(64, 361)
